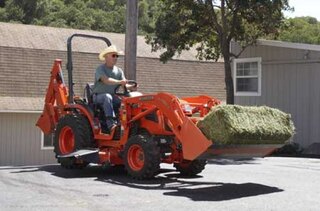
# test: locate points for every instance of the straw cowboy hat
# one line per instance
(110, 49)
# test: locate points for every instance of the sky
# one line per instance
(304, 8)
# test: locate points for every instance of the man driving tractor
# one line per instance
(107, 78)
(154, 128)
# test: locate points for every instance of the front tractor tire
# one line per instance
(73, 132)
(191, 168)
(142, 157)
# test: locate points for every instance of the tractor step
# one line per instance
(88, 155)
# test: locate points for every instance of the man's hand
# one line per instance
(123, 82)
(132, 87)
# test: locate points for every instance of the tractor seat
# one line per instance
(97, 108)
(88, 93)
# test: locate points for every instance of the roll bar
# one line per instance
(69, 60)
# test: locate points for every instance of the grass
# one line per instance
(234, 124)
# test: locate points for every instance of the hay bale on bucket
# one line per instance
(234, 124)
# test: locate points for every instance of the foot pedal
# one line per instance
(117, 133)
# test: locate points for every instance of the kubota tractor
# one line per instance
(152, 129)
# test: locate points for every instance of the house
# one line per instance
(27, 53)
(286, 76)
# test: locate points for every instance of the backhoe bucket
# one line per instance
(46, 121)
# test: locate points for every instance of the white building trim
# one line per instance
(42, 143)
(301, 46)
(20, 111)
(244, 60)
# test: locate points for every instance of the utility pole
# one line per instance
(130, 58)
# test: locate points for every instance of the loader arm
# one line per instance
(193, 141)
(55, 100)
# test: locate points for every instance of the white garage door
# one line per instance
(21, 142)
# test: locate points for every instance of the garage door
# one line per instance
(21, 142)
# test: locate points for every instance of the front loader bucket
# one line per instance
(194, 143)
(240, 150)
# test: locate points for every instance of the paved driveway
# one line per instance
(272, 183)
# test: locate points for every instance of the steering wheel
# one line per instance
(124, 91)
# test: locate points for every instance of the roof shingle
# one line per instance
(27, 53)
(21, 104)
(50, 38)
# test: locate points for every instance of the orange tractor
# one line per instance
(152, 129)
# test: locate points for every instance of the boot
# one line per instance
(111, 124)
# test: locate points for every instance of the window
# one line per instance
(46, 141)
(247, 77)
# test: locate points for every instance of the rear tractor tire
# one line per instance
(191, 168)
(73, 132)
(142, 157)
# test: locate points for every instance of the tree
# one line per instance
(211, 25)
(148, 12)
(301, 30)
(99, 15)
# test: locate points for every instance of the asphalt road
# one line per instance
(272, 183)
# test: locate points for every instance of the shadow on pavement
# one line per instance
(231, 161)
(223, 191)
(168, 180)
(175, 185)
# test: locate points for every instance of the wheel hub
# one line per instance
(136, 157)
(66, 140)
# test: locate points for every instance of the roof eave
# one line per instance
(282, 44)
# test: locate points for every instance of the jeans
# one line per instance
(108, 102)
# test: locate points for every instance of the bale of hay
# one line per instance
(234, 124)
